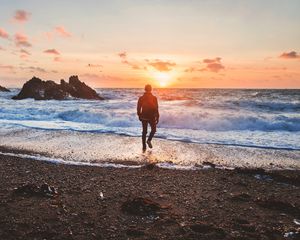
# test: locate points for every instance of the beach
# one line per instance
(190, 204)
(225, 165)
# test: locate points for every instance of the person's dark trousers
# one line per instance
(145, 129)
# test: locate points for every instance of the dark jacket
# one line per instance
(147, 107)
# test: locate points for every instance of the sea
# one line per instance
(256, 118)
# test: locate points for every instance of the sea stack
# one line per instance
(47, 90)
(3, 89)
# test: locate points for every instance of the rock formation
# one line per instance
(3, 89)
(46, 90)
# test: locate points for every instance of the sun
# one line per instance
(162, 78)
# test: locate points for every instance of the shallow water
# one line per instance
(98, 149)
(258, 118)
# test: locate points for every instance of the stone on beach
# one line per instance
(142, 207)
(31, 190)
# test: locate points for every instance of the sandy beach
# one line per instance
(146, 203)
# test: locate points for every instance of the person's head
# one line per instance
(148, 88)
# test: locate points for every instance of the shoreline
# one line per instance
(200, 204)
(32, 156)
(92, 148)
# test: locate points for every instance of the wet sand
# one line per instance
(87, 147)
(147, 203)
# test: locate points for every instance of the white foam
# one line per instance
(90, 148)
(62, 161)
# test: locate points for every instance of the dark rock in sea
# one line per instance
(32, 190)
(46, 90)
(142, 207)
(3, 89)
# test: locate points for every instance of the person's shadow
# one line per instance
(148, 157)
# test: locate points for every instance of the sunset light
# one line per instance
(162, 78)
(210, 44)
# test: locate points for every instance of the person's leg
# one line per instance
(144, 134)
(153, 130)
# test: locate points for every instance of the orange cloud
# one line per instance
(3, 33)
(123, 56)
(190, 70)
(21, 40)
(52, 51)
(57, 59)
(21, 16)
(61, 31)
(7, 68)
(91, 65)
(36, 69)
(290, 55)
(162, 66)
(213, 65)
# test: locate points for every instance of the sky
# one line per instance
(167, 43)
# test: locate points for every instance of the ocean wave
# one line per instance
(173, 118)
(184, 113)
(250, 105)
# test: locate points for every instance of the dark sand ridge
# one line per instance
(146, 203)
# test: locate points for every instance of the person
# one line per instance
(147, 111)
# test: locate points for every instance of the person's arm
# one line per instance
(139, 107)
(157, 112)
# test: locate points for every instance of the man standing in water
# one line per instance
(147, 111)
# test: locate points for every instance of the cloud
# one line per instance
(61, 31)
(34, 69)
(102, 78)
(123, 55)
(91, 65)
(218, 60)
(37, 69)
(24, 54)
(58, 31)
(52, 51)
(7, 68)
(21, 40)
(135, 66)
(190, 70)
(162, 66)
(57, 59)
(213, 65)
(3, 33)
(90, 75)
(290, 55)
(21, 16)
